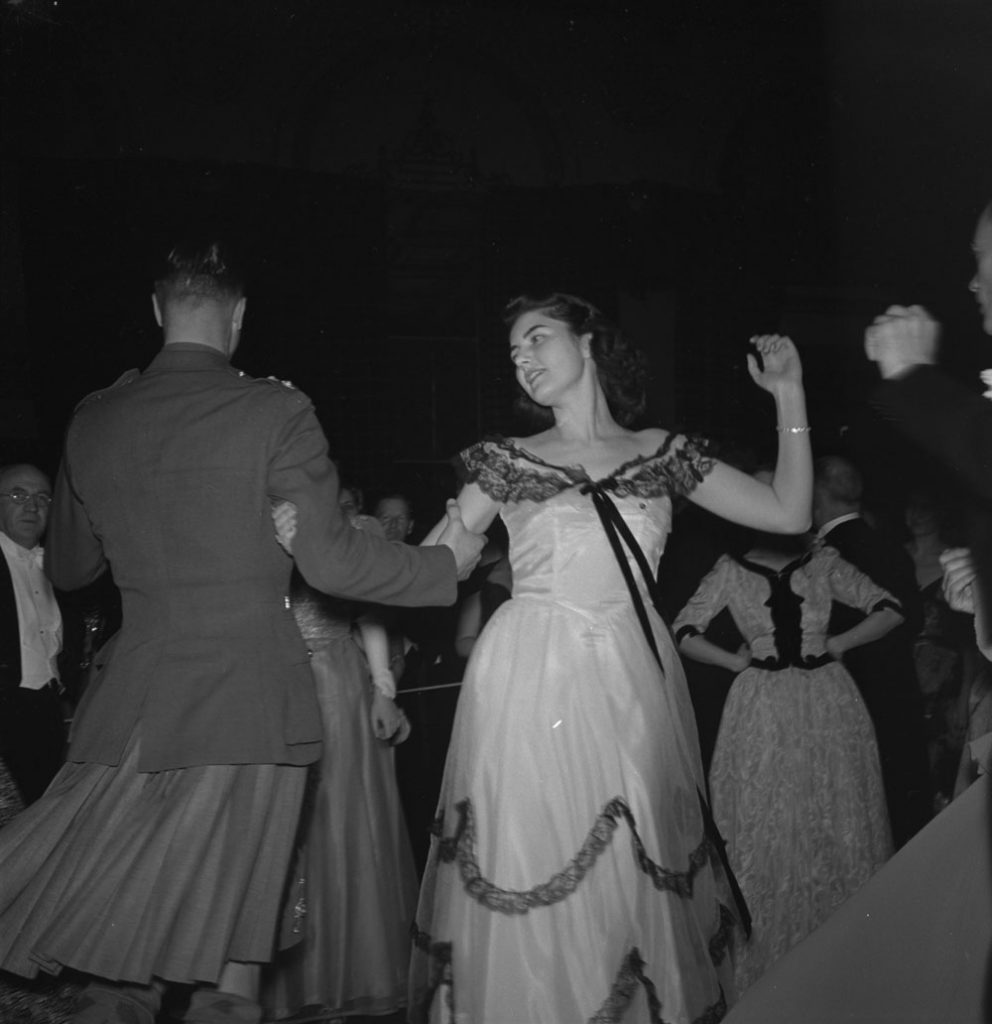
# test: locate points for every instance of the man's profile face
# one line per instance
(24, 522)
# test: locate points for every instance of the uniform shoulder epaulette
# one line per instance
(285, 383)
(124, 379)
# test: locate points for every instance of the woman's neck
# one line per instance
(585, 420)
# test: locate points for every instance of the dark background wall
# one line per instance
(704, 171)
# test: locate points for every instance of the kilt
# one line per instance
(131, 875)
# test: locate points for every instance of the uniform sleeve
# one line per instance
(706, 603)
(331, 556)
(74, 554)
(852, 587)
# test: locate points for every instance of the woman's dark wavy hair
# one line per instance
(620, 366)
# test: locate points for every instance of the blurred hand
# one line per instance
(959, 575)
(284, 518)
(389, 723)
(901, 338)
(780, 362)
(466, 546)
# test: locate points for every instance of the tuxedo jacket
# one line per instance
(954, 424)
(168, 477)
(884, 666)
(10, 630)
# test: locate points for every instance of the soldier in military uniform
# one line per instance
(161, 851)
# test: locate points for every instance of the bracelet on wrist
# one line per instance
(794, 430)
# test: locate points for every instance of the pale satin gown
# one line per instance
(569, 877)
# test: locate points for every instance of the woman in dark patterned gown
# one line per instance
(795, 781)
(571, 877)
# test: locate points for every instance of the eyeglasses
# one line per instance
(19, 496)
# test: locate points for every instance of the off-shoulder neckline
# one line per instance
(577, 471)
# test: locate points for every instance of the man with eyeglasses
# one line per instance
(162, 853)
(32, 734)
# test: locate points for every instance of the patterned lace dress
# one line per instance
(570, 878)
(795, 781)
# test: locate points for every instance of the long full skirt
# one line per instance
(914, 946)
(357, 864)
(797, 794)
(570, 878)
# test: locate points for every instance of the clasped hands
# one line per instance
(901, 338)
(465, 545)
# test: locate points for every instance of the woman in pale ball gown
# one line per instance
(571, 875)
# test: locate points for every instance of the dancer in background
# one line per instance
(796, 783)
(571, 875)
(356, 868)
(915, 944)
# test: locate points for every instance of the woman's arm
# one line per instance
(477, 508)
(697, 647)
(469, 624)
(783, 506)
(875, 626)
(388, 721)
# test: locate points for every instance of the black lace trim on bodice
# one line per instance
(495, 465)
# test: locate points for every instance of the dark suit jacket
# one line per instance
(887, 563)
(168, 476)
(955, 425)
(885, 670)
(10, 631)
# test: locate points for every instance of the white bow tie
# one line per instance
(33, 556)
(986, 376)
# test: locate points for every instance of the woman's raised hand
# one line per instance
(780, 363)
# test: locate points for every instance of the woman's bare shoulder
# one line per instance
(648, 441)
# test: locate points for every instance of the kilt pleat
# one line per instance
(131, 875)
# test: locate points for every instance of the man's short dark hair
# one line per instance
(839, 478)
(199, 270)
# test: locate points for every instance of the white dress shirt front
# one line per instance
(38, 616)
